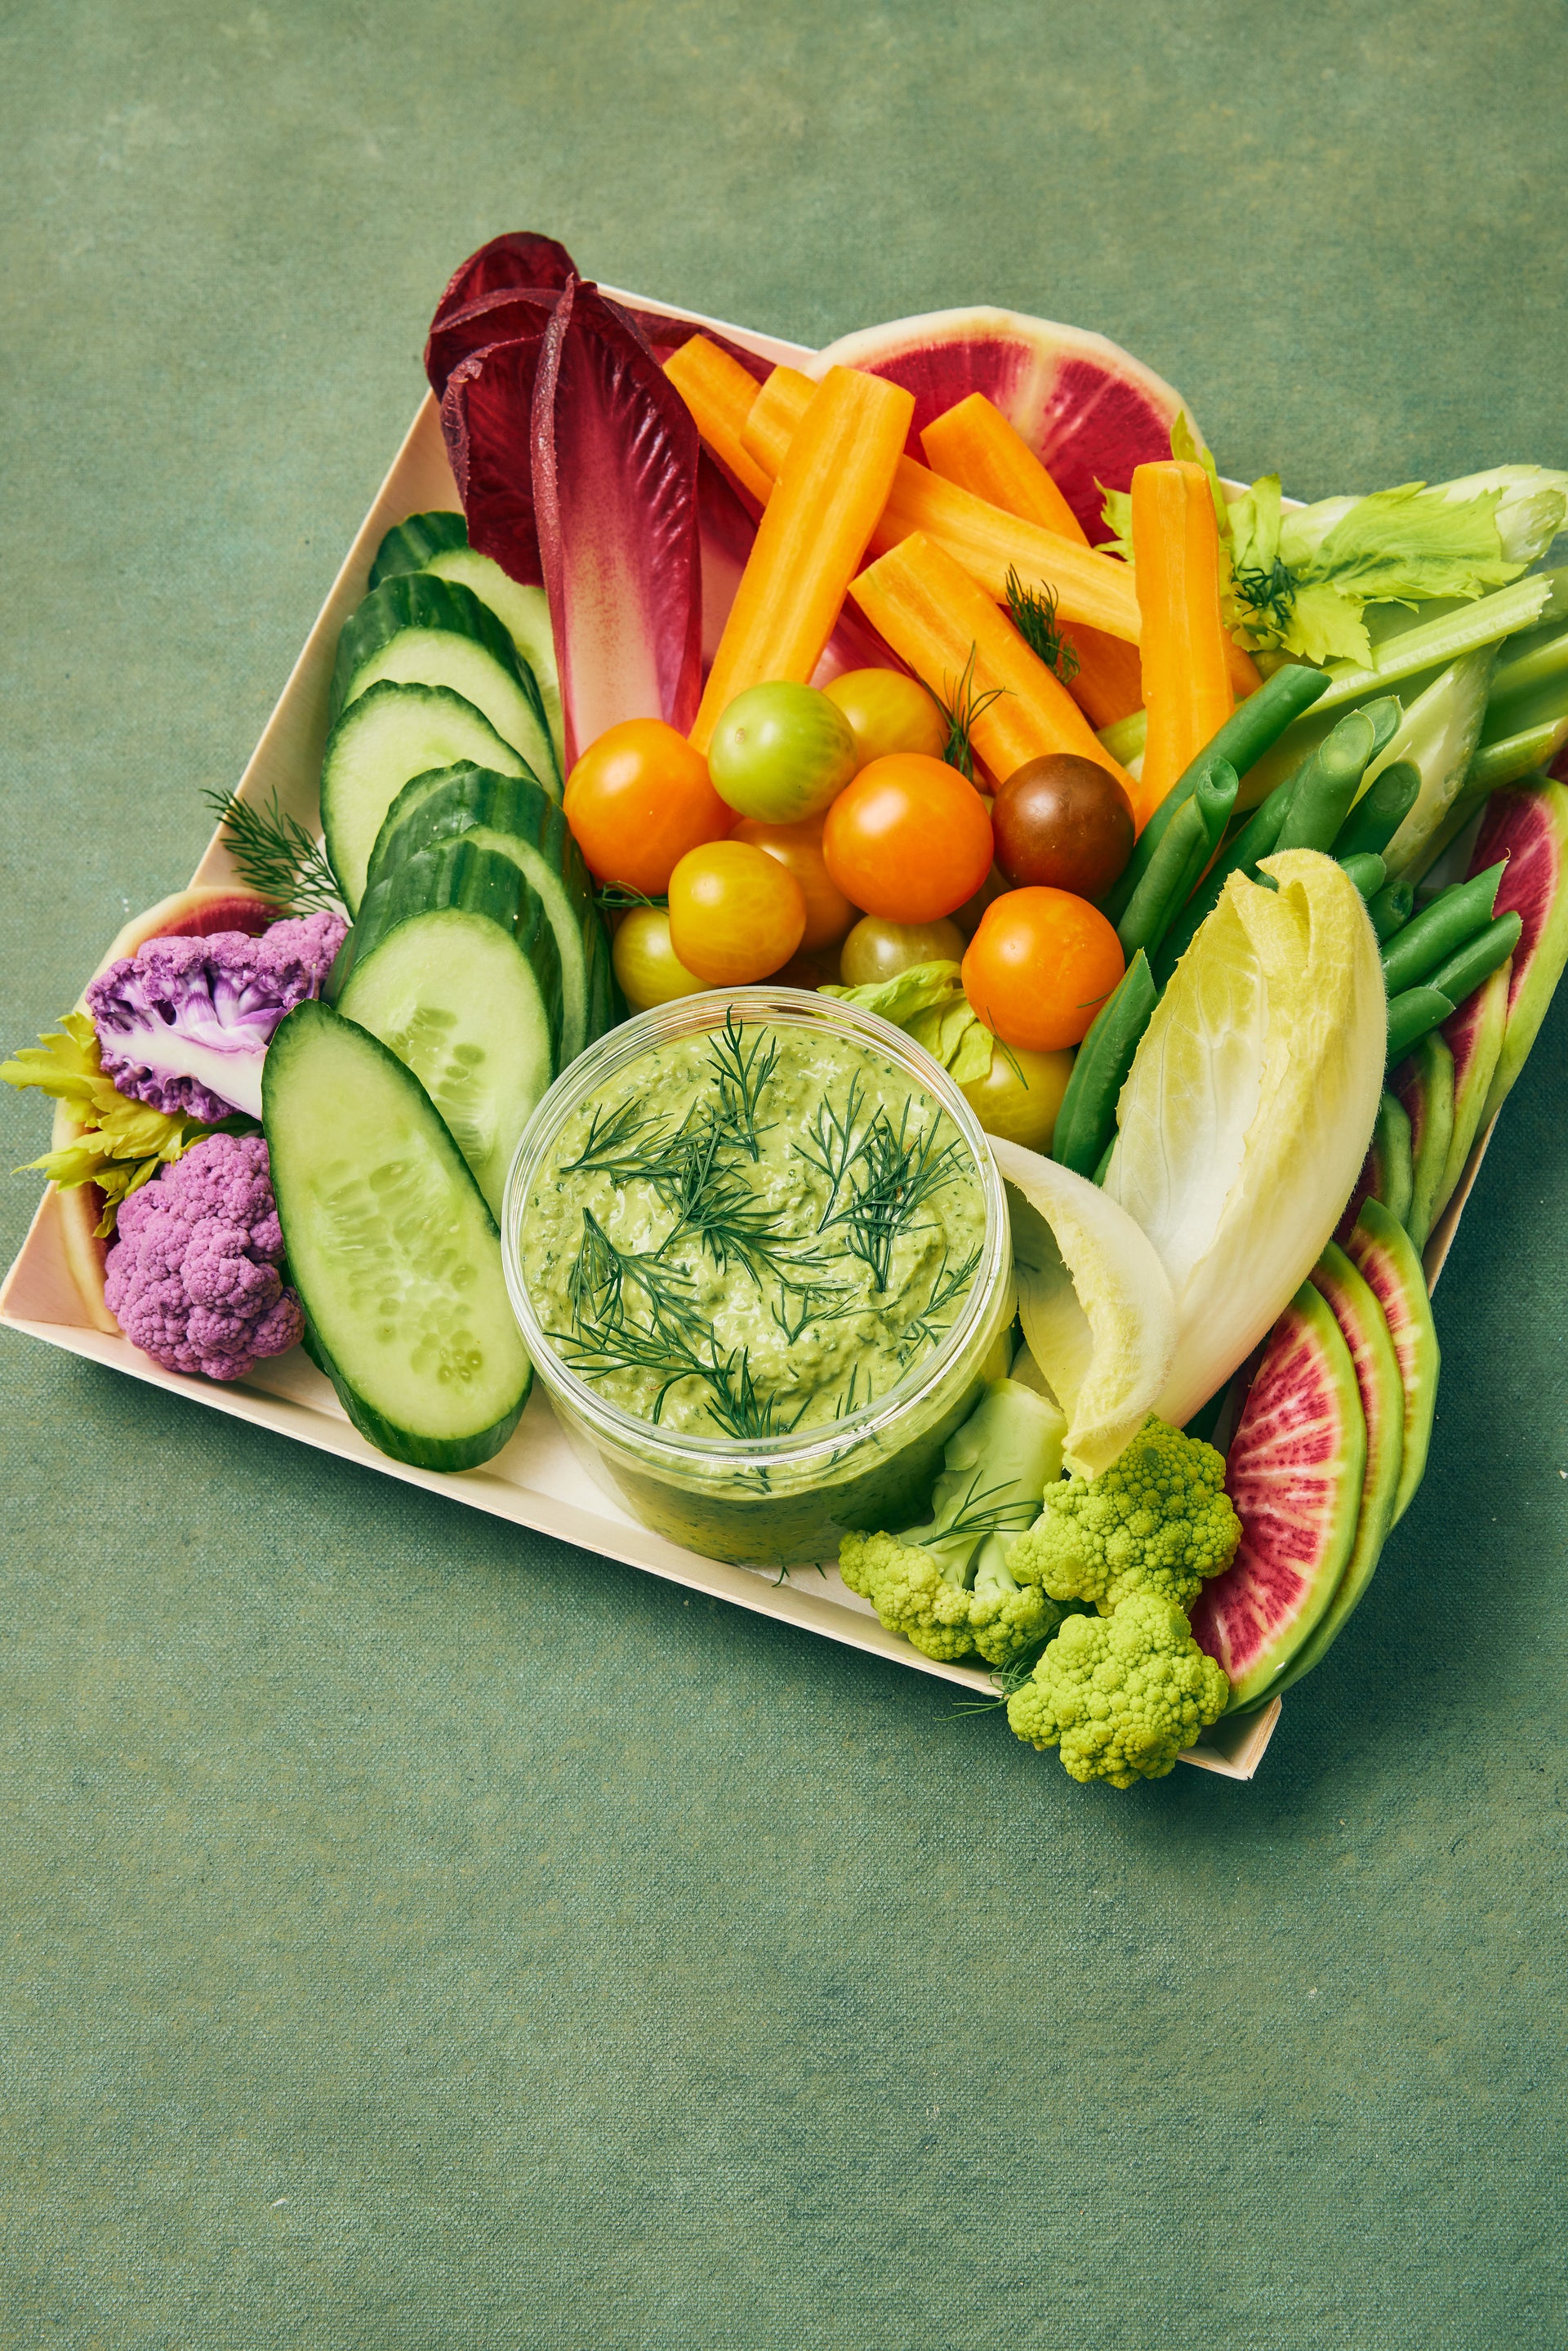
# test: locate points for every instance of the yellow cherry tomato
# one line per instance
(798, 847)
(1020, 1094)
(735, 913)
(875, 950)
(888, 712)
(646, 964)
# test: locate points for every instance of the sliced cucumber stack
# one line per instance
(394, 1254)
(437, 542)
(419, 630)
(515, 819)
(456, 969)
(387, 735)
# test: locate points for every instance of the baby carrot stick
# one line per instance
(812, 539)
(939, 621)
(719, 393)
(1186, 667)
(772, 419)
(1089, 586)
(974, 445)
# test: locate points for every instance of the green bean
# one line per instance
(1412, 1015)
(1380, 811)
(1368, 873)
(1088, 1112)
(1454, 916)
(1254, 841)
(1392, 908)
(1253, 727)
(1189, 842)
(1477, 958)
(1327, 784)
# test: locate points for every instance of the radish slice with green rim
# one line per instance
(1384, 1255)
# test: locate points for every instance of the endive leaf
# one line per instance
(1245, 1119)
(1094, 1302)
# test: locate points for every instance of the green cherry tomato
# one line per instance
(646, 964)
(875, 950)
(782, 753)
(1020, 1094)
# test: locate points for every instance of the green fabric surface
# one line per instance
(417, 1933)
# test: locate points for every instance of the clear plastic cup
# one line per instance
(783, 1499)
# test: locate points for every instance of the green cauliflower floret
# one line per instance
(947, 1586)
(1122, 1694)
(1158, 1521)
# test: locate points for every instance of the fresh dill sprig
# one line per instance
(1033, 611)
(945, 1288)
(792, 1319)
(892, 1175)
(275, 855)
(736, 1404)
(601, 1276)
(831, 1146)
(1006, 1679)
(743, 1072)
(1270, 596)
(960, 705)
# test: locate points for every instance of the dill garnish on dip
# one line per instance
(752, 1231)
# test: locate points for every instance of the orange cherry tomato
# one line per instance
(637, 799)
(908, 839)
(798, 848)
(735, 913)
(888, 712)
(1040, 968)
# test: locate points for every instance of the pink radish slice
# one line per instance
(1366, 1334)
(1384, 1255)
(1424, 1082)
(1474, 1037)
(1295, 1472)
(1528, 824)
(1090, 410)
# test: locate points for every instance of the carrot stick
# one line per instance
(812, 539)
(1089, 586)
(939, 619)
(1186, 666)
(719, 393)
(773, 416)
(974, 445)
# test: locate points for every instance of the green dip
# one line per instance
(752, 1231)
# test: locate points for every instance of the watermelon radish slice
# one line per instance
(1528, 824)
(1366, 1334)
(1474, 1036)
(1088, 409)
(1295, 1472)
(1424, 1082)
(1388, 1171)
(1384, 1255)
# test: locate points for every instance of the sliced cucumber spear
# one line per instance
(394, 1254)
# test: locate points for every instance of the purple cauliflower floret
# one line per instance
(192, 1278)
(184, 1023)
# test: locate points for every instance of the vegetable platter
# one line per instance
(960, 782)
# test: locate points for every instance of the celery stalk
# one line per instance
(1445, 639)
(1439, 732)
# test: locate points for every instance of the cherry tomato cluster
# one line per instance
(824, 836)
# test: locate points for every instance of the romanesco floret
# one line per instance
(1121, 1695)
(947, 1586)
(1159, 1520)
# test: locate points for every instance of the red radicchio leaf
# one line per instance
(456, 335)
(615, 487)
(508, 264)
(486, 418)
(664, 335)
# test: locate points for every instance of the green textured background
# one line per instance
(417, 1934)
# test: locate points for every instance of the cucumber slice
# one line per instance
(428, 632)
(514, 818)
(392, 1249)
(456, 998)
(437, 542)
(387, 735)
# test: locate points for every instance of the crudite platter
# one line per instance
(847, 977)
